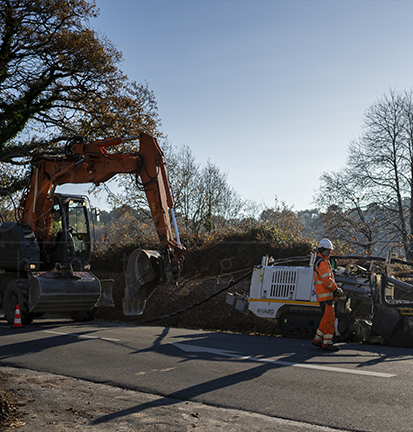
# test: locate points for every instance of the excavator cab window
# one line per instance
(78, 229)
(70, 234)
(58, 237)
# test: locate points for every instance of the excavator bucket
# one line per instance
(106, 288)
(52, 291)
(144, 273)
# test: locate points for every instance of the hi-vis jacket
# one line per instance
(324, 282)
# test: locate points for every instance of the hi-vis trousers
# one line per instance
(325, 332)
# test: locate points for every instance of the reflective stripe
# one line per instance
(326, 326)
(324, 283)
(324, 295)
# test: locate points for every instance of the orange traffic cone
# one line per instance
(17, 318)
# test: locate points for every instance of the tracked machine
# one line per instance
(45, 255)
(377, 304)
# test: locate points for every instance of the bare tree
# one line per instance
(203, 198)
(184, 176)
(347, 214)
(216, 199)
(371, 197)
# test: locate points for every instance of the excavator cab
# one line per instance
(66, 283)
(69, 233)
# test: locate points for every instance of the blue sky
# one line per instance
(270, 91)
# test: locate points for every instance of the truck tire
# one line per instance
(17, 293)
(83, 316)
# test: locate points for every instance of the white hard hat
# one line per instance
(326, 244)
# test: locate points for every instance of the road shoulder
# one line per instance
(51, 402)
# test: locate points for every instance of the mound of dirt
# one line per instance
(214, 314)
(234, 255)
(206, 270)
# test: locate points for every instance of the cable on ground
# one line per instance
(230, 285)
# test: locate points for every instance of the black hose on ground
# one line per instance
(230, 285)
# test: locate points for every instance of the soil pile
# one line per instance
(206, 270)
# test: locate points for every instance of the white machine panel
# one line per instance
(287, 283)
(272, 287)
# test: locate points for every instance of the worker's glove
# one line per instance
(337, 294)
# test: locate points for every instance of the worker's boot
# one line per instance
(331, 348)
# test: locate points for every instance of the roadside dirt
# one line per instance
(60, 404)
(215, 314)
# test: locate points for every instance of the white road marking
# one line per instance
(80, 335)
(233, 354)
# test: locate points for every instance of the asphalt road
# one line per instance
(362, 387)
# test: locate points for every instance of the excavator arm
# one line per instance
(90, 162)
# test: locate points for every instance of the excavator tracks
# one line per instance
(299, 324)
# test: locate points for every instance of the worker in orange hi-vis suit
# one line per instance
(326, 289)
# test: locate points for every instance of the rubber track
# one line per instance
(302, 333)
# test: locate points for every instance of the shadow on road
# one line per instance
(286, 351)
(191, 392)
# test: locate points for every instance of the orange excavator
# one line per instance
(45, 255)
